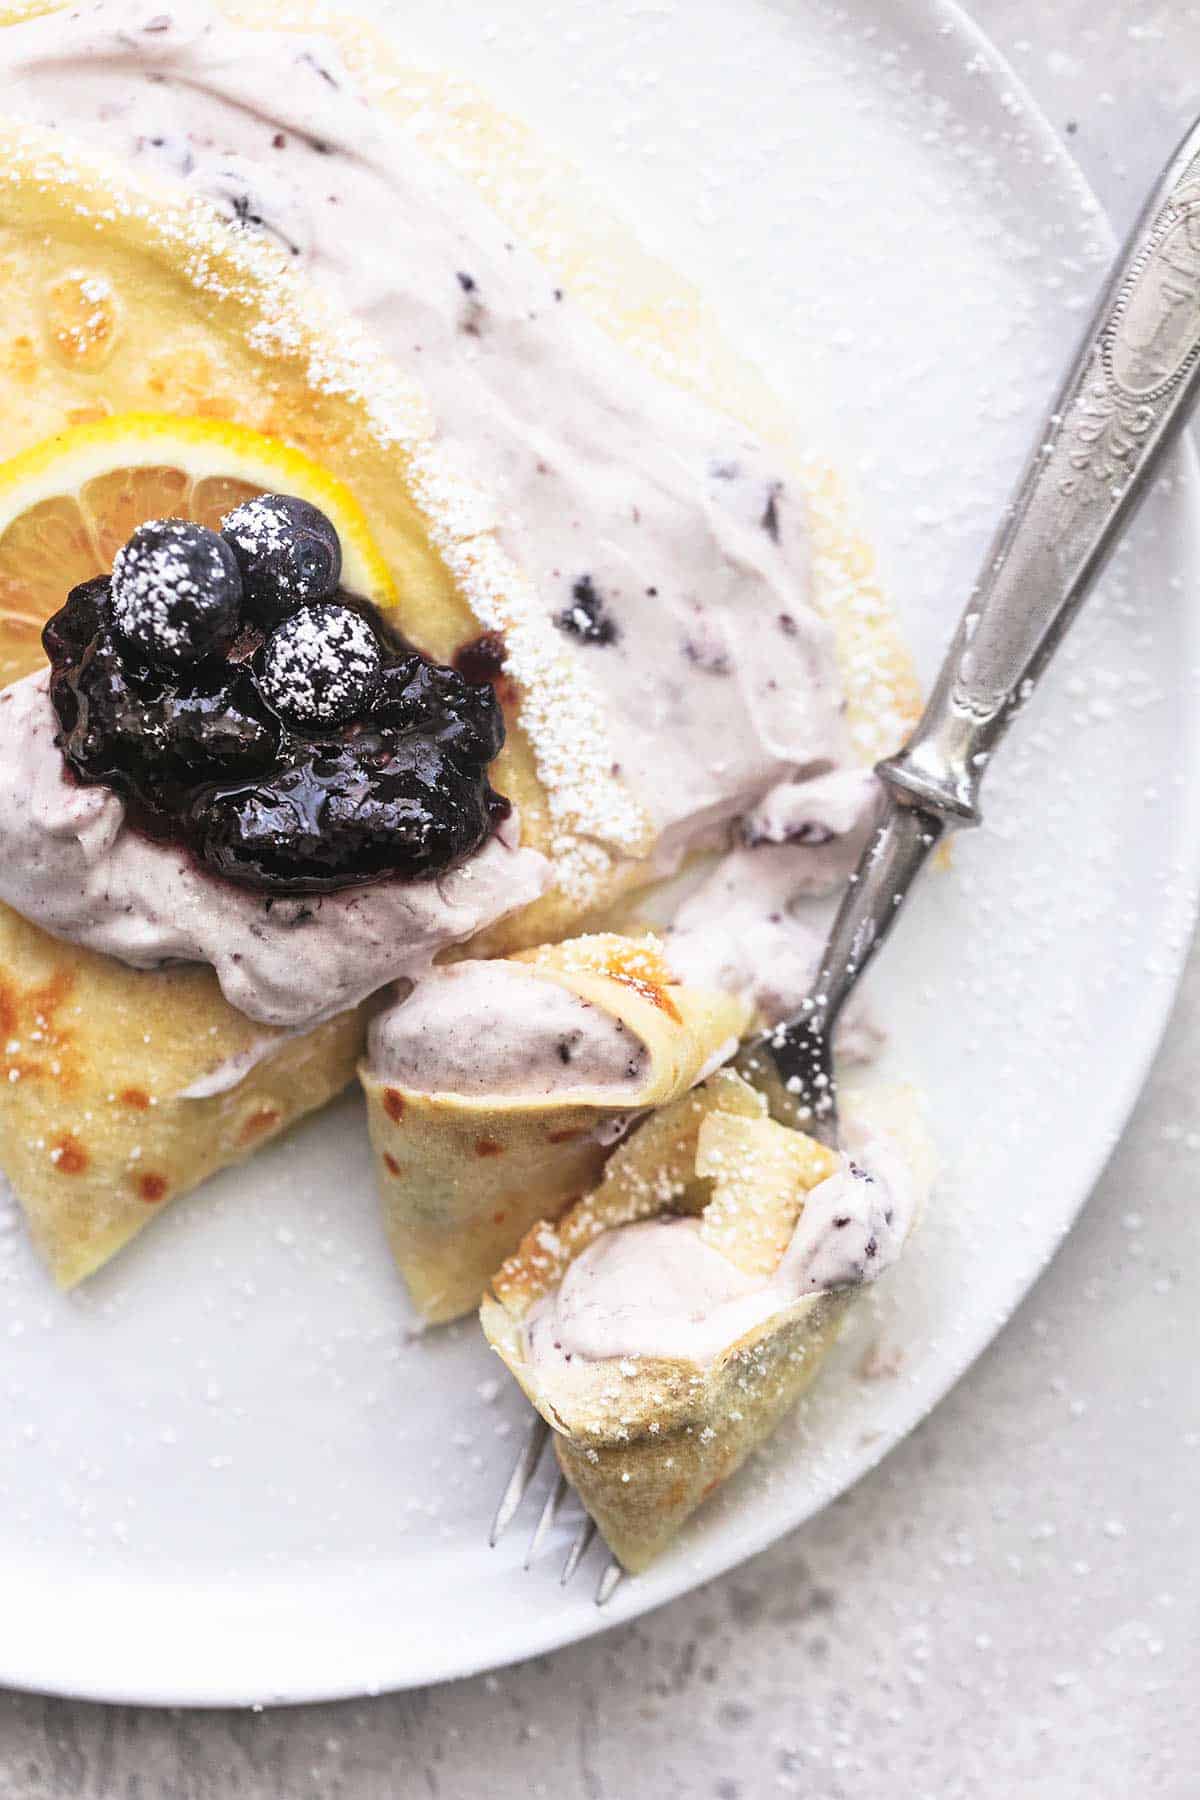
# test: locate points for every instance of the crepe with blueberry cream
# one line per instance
(231, 760)
(496, 1088)
(668, 1321)
(670, 619)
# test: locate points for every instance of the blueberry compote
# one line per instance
(242, 704)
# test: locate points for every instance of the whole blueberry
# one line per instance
(320, 667)
(287, 551)
(176, 593)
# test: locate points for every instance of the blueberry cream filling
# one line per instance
(279, 729)
(656, 1288)
(493, 1028)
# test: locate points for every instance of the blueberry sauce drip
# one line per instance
(483, 658)
(321, 754)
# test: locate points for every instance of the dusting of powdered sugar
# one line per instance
(264, 533)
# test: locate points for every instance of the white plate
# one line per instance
(226, 1472)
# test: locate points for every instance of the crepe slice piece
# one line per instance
(120, 1090)
(698, 1313)
(543, 1057)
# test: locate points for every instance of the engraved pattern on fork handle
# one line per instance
(1121, 406)
(1123, 403)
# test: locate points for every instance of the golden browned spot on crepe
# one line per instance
(152, 1188)
(564, 1137)
(651, 991)
(638, 965)
(21, 359)
(189, 383)
(488, 1147)
(81, 318)
(36, 1045)
(393, 1104)
(137, 1098)
(258, 1124)
(68, 1155)
(390, 1163)
(190, 369)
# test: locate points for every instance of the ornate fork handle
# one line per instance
(1123, 403)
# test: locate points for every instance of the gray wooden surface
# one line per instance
(1010, 1605)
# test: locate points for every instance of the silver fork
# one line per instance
(523, 1472)
(1123, 403)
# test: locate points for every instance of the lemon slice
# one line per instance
(70, 502)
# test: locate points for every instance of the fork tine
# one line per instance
(548, 1515)
(578, 1550)
(523, 1470)
(609, 1582)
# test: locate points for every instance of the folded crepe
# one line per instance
(495, 1090)
(122, 294)
(120, 1091)
(669, 1320)
(105, 1111)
